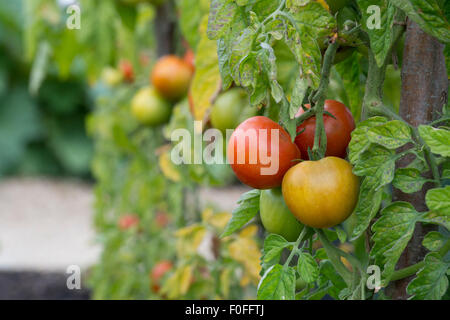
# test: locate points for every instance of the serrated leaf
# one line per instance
(428, 15)
(377, 164)
(298, 94)
(381, 35)
(437, 139)
(240, 50)
(350, 71)
(307, 267)
(369, 203)
(434, 240)
(221, 13)
(391, 135)
(278, 283)
(439, 200)
(431, 282)
(392, 233)
(247, 209)
(359, 142)
(273, 246)
(408, 180)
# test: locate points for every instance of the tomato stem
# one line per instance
(334, 256)
(295, 247)
(318, 101)
(413, 269)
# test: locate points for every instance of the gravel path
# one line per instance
(46, 225)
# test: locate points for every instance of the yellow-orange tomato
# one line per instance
(171, 77)
(321, 194)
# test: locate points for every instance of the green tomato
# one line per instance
(230, 109)
(149, 108)
(276, 217)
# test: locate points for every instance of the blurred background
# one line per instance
(86, 181)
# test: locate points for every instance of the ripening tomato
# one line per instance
(338, 130)
(150, 108)
(158, 271)
(260, 152)
(171, 76)
(276, 217)
(321, 194)
(128, 221)
(126, 68)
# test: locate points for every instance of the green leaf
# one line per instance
(377, 164)
(190, 17)
(381, 36)
(328, 274)
(437, 139)
(224, 48)
(431, 282)
(307, 267)
(273, 246)
(221, 13)
(247, 209)
(369, 203)
(439, 200)
(127, 14)
(391, 135)
(278, 283)
(434, 240)
(341, 233)
(298, 94)
(350, 71)
(359, 142)
(428, 15)
(392, 233)
(240, 50)
(408, 180)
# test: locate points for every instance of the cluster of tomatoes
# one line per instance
(170, 79)
(319, 194)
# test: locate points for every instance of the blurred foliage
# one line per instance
(41, 132)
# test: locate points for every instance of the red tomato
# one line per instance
(126, 68)
(162, 219)
(338, 130)
(258, 162)
(158, 271)
(128, 221)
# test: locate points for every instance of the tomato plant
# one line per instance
(254, 139)
(338, 124)
(372, 194)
